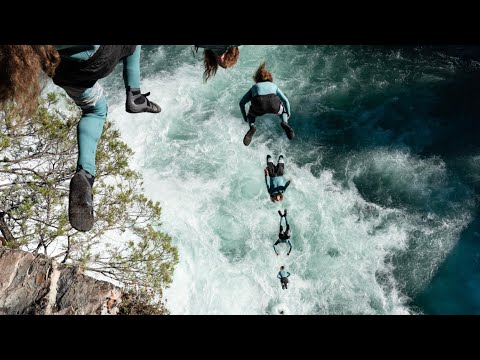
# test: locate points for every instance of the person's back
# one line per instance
(277, 185)
(265, 98)
(264, 88)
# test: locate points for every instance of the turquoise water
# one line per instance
(385, 174)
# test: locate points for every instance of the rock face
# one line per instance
(33, 285)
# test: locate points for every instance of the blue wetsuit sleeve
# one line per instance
(285, 101)
(245, 99)
(288, 274)
(278, 276)
(286, 185)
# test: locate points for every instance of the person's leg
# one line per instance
(251, 120)
(286, 222)
(251, 131)
(285, 126)
(271, 168)
(280, 166)
(131, 70)
(276, 243)
(89, 129)
(136, 101)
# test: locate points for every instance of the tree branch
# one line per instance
(7, 234)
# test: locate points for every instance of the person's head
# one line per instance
(212, 61)
(262, 75)
(282, 267)
(275, 198)
(23, 71)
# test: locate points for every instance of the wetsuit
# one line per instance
(265, 98)
(80, 69)
(283, 276)
(284, 236)
(277, 182)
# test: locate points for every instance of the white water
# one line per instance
(216, 208)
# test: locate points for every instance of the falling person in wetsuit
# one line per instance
(277, 183)
(283, 235)
(265, 98)
(283, 276)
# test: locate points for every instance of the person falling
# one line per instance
(283, 236)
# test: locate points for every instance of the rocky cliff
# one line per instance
(32, 285)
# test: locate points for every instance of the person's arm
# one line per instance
(279, 276)
(289, 243)
(285, 101)
(286, 185)
(245, 99)
(266, 181)
(288, 274)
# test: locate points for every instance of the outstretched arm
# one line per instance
(245, 99)
(289, 243)
(266, 181)
(285, 101)
(286, 185)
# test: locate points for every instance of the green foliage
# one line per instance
(136, 302)
(37, 162)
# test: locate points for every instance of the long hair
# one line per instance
(262, 75)
(230, 57)
(211, 61)
(23, 73)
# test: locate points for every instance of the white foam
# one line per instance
(216, 208)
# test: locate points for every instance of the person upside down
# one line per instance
(283, 276)
(277, 182)
(283, 236)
